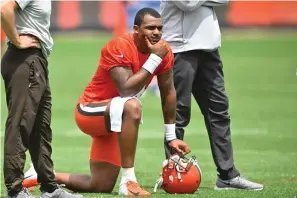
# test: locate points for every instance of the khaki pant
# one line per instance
(28, 99)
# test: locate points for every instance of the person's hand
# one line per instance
(160, 48)
(27, 41)
(180, 147)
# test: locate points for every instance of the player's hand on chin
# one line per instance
(160, 48)
(180, 147)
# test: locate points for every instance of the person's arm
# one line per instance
(188, 5)
(213, 3)
(168, 101)
(8, 21)
(127, 83)
(9, 26)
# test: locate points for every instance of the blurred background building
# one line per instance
(119, 15)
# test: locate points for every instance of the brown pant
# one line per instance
(28, 99)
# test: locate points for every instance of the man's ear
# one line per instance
(136, 29)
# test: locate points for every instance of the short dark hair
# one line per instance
(145, 11)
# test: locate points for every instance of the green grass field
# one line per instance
(261, 81)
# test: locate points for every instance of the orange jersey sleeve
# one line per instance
(167, 63)
(3, 36)
(117, 52)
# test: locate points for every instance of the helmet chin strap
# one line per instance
(158, 183)
(179, 177)
(195, 163)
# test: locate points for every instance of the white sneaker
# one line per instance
(60, 193)
(22, 194)
(238, 182)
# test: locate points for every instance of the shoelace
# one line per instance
(242, 177)
(62, 188)
(242, 180)
(159, 183)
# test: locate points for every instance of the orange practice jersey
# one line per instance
(121, 51)
(3, 36)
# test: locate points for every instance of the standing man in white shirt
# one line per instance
(192, 30)
(24, 69)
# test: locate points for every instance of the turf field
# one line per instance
(260, 73)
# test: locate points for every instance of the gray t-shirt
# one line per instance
(34, 18)
(191, 25)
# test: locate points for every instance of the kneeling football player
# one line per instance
(110, 112)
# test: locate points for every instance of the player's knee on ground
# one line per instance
(133, 109)
(104, 176)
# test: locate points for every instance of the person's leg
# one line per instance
(213, 102)
(105, 161)
(128, 136)
(106, 157)
(184, 72)
(214, 105)
(15, 72)
(39, 105)
(102, 179)
(127, 142)
(104, 167)
(41, 137)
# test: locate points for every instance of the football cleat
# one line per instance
(132, 189)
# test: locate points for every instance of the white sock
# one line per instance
(128, 174)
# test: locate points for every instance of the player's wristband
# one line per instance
(170, 132)
(152, 63)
